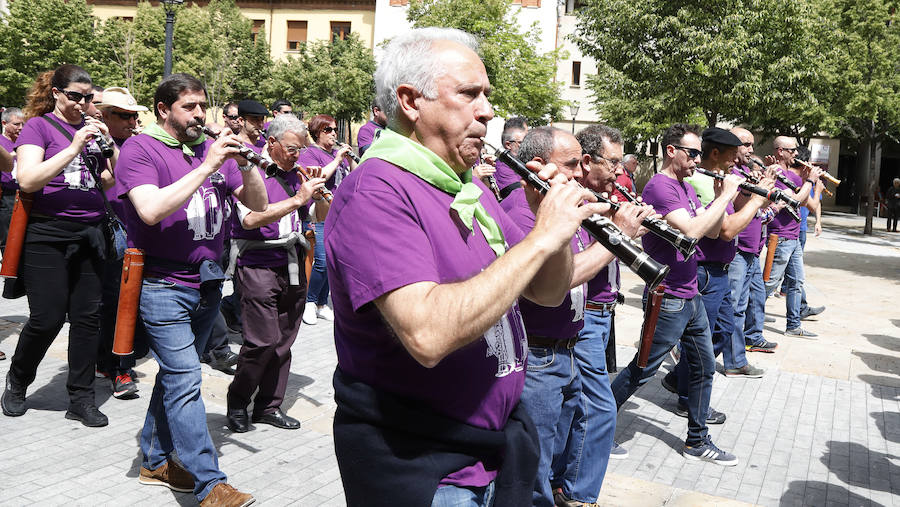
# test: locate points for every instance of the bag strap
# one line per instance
(98, 184)
(273, 173)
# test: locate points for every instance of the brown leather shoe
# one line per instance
(224, 495)
(170, 475)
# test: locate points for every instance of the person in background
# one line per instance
(366, 133)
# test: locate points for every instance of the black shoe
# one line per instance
(87, 414)
(671, 384)
(232, 322)
(278, 419)
(223, 362)
(811, 311)
(714, 417)
(13, 400)
(238, 420)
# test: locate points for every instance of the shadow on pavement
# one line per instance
(889, 424)
(884, 341)
(880, 363)
(805, 493)
(881, 386)
(54, 396)
(878, 266)
(853, 463)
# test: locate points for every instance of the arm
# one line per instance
(595, 257)
(154, 204)
(708, 223)
(252, 193)
(276, 210)
(34, 172)
(6, 160)
(819, 209)
(332, 166)
(533, 268)
(733, 224)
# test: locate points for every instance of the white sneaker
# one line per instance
(309, 314)
(325, 313)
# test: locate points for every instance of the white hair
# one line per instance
(629, 158)
(408, 59)
(284, 123)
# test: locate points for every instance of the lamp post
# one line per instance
(169, 6)
(573, 110)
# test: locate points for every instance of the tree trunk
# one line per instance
(871, 182)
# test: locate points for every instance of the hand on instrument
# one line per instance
(562, 210)
(730, 185)
(83, 135)
(483, 170)
(226, 146)
(770, 159)
(343, 151)
(90, 120)
(629, 217)
(488, 158)
(310, 187)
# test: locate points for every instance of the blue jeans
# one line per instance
(318, 279)
(178, 322)
(594, 426)
(681, 320)
(788, 265)
(551, 396)
(748, 294)
(456, 496)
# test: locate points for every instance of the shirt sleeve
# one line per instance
(664, 198)
(135, 167)
(33, 133)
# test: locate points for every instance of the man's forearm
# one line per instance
(589, 262)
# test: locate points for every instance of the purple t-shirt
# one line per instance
(604, 287)
(195, 231)
(270, 257)
(388, 228)
(504, 175)
(6, 178)
(750, 240)
(559, 322)
(71, 194)
(366, 135)
(784, 224)
(516, 206)
(717, 250)
(313, 155)
(666, 195)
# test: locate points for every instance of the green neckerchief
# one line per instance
(156, 132)
(424, 163)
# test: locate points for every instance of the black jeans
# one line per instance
(57, 287)
(7, 201)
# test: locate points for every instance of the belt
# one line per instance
(545, 341)
(721, 265)
(602, 307)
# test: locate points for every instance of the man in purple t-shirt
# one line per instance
(12, 120)
(788, 262)
(553, 384)
(267, 247)
(425, 270)
(366, 133)
(252, 116)
(682, 316)
(174, 184)
(514, 131)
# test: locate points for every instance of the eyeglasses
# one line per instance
(126, 116)
(291, 150)
(792, 150)
(691, 152)
(232, 117)
(329, 130)
(78, 97)
(612, 162)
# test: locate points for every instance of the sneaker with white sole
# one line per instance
(708, 451)
(618, 452)
(746, 371)
(799, 332)
(309, 314)
(123, 387)
(324, 313)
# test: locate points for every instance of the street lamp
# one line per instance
(169, 6)
(573, 110)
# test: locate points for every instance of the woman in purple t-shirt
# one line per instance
(61, 165)
(334, 159)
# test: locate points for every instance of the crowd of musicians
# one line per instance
(473, 290)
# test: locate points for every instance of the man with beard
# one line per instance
(175, 185)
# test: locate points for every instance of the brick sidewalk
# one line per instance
(802, 439)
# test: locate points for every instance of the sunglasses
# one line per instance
(691, 152)
(126, 116)
(792, 150)
(78, 97)
(329, 130)
(232, 117)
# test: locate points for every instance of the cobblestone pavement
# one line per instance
(821, 428)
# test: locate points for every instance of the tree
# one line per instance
(330, 77)
(662, 61)
(868, 93)
(40, 35)
(523, 79)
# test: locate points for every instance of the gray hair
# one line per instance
(538, 142)
(591, 138)
(11, 112)
(508, 132)
(284, 123)
(409, 59)
(629, 158)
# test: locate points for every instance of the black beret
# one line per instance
(723, 137)
(252, 108)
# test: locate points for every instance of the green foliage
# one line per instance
(523, 80)
(40, 35)
(330, 77)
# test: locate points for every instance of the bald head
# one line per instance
(785, 150)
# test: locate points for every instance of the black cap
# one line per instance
(719, 136)
(251, 107)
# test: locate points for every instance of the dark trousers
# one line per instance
(7, 201)
(272, 309)
(893, 213)
(57, 287)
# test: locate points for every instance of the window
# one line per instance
(296, 34)
(340, 30)
(572, 6)
(399, 2)
(258, 25)
(576, 73)
(527, 3)
(127, 19)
